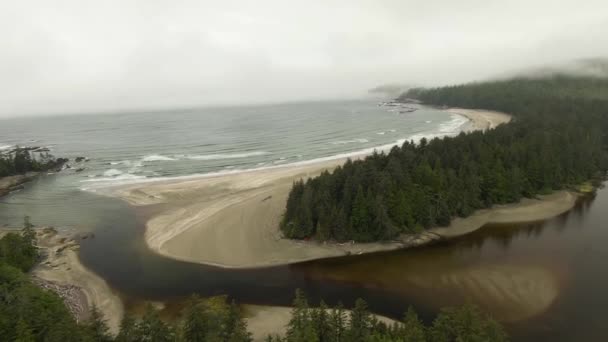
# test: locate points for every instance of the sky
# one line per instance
(80, 56)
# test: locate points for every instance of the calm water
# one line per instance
(499, 268)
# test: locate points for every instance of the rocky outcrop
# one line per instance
(13, 183)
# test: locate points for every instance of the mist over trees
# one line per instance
(556, 140)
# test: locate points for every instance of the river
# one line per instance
(545, 280)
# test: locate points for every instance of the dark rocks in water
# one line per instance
(13, 183)
(81, 159)
(408, 100)
(80, 169)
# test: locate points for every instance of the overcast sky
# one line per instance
(82, 55)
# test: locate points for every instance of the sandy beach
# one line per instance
(61, 271)
(232, 220)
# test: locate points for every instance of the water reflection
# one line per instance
(547, 278)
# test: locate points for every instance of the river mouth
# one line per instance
(526, 275)
(544, 280)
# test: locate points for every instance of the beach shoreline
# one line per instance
(232, 220)
(61, 271)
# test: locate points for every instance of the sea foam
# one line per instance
(226, 155)
(157, 157)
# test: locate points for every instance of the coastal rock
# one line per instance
(13, 183)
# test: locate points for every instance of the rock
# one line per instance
(80, 169)
(79, 159)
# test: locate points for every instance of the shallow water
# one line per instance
(510, 270)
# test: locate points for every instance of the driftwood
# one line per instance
(73, 297)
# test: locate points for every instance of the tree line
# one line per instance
(556, 140)
(21, 161)
(29, 313)
(323, 324)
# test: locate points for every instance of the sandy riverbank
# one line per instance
(232, 220)
(265, 320)
(61, 271)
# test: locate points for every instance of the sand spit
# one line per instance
(232, 220)
(61, 271)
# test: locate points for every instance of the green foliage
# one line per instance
(465, 323)
(152, 328)
(21, 161)
(97, 327)
(18, 250)
(322, 324)
(28, 312)
(556, 140)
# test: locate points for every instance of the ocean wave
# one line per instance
(156, 157)
(226, 155)
(381, 133)
(112, 173)
(448, 128)
(123, 178)
(454, 125)
(5, 147)
(344, 142)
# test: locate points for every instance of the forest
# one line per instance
(555, 141)
(29, 313)
(21, 161)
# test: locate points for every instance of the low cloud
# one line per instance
(71, 56)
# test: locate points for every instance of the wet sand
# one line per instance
(61, 271)
(232, 220)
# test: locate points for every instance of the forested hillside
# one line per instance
(555, 141)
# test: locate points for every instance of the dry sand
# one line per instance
(272, 320)
(81, 289)
(232, 220)
(481, 119)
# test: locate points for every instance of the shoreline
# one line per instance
(231, 220)
(61, 271)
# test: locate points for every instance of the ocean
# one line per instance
(140, 146)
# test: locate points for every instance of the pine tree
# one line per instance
(97, 326)
(152, 328)
(360, 322)
(23, 333)
(300, 327)
(128, 330)
(195, 325)
(236, 326)
(412, 329)
(28, 230)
